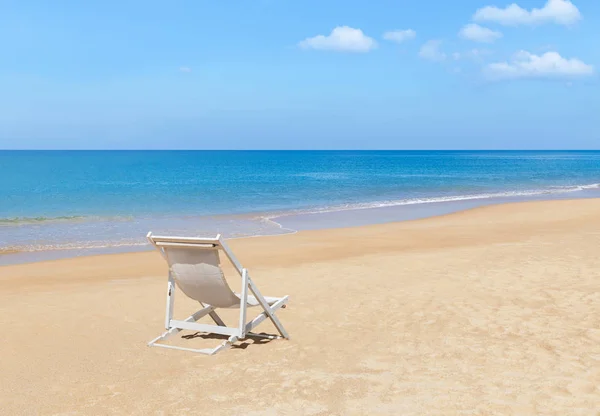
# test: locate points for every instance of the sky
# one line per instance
(283, 74)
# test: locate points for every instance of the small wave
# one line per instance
(38, 220)
(431, 200)
(69, 246)
(322, 175)
(15, 221)
(9, 250)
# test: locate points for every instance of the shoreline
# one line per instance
(146, 249)
(494, 310)
(297, 221)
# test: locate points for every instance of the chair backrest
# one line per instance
(195, 266)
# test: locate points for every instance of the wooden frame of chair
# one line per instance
(244, 328)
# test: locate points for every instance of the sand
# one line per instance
(491, 311)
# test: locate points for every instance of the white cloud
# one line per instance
(342, 38)
(562, 12)
(185, 69)
(473, 54)
(431, 51)
(480, 52)
(400, 36)
(478, 33)
(549, 65)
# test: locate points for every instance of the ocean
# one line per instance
(68, 203)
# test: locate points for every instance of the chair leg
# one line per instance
(163, 336)
(192, 318)
(215, 317)
(207, 351)
(269, 310)
(225, 345)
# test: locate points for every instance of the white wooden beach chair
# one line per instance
(194, 267)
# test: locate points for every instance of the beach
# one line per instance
(488, 311)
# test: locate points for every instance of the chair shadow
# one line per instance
(243, 344)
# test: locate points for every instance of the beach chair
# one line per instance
(195, 267)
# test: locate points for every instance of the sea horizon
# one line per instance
(302, 150)
(64, 203)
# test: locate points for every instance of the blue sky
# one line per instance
(279, 74)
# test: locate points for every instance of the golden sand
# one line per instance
(492, 311)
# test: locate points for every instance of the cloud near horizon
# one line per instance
(341, 39)
(549, 65)
(400, 36)
(477, 33)
(562, 12)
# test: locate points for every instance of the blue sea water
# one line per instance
(80, 202)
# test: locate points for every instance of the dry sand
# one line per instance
(489, 311)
